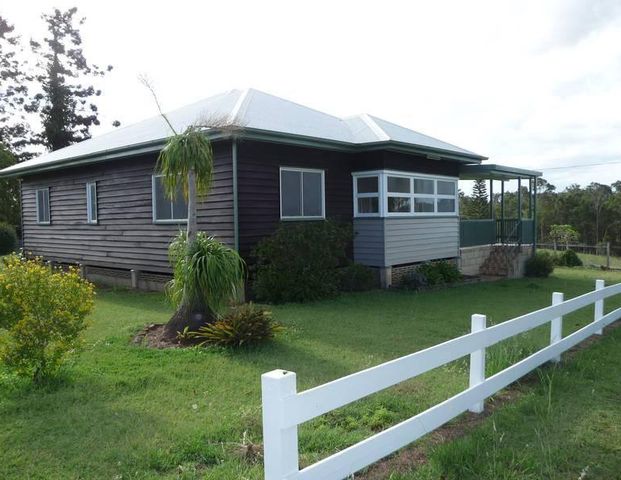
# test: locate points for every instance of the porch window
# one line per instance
(302, 194)
(43, 206)
(403, 194)
(366, 196)
(166, 210)
(91, 202)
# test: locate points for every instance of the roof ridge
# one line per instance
(375, 128)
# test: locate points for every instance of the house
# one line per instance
(100, 204)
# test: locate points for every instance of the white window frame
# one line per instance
(377, 194)
(323, 193)
(49, 207)
(89, 199)
(384, 194)
(154, 206)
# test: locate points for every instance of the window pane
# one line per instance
(179, 207)
(43, 206)
(162, 203)
(446, 205)
(92, 202)
(399, 204)
(39, 205)
(312, 194)
(398, 185)
(423, 205)
(423, 186)
(367, 185)
(368, 205)
(46, 203)
(446, 188)
(291, 196)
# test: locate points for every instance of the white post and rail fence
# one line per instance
(284, 408)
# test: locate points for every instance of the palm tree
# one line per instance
(207, 274)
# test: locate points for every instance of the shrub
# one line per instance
(569, 258)
(413, 281)
(356, 278)
(244, 325)
(43, 313)
(441, 272)
(8, 239)
(299, 262)
(539, 265)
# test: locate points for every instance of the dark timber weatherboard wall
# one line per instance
(125, 236)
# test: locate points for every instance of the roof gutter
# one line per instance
(249, 134)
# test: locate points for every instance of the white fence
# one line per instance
(284, 408)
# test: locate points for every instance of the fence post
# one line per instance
(608, 255)
(556, 325)
(477, 361)
(599, 305)
(280, 444)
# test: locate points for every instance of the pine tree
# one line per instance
(66, 105)
(15, 133)
(478, 206)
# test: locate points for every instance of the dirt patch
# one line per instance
(155, 336)
(410, 458)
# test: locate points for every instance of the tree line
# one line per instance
(48, 97)
(593, 211)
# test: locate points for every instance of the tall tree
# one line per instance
(66, 104)
(478, 207)
(9, 191)
(15, 131)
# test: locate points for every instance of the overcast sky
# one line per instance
(533, 84)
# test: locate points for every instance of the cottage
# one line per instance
(100, 204)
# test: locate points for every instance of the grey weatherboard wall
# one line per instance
(125, 235)
(384, 242)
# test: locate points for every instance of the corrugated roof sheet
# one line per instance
(251, 109)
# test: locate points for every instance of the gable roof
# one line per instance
(259, 115)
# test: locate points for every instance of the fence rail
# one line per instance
(284, 408)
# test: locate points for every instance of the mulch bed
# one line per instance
(154, 336)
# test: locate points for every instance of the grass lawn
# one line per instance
(127, 412)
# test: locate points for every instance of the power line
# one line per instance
(580, 166)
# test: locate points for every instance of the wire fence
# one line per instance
(602, 256)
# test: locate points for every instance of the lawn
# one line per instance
(123, 411)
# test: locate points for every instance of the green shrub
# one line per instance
(440, 272)
(245, 325)
(413, 281)
(299, 262)
(8, 239)
(539, 265)
(42, 313)
(569, 258)
(356, 278)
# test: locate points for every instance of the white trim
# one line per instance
(238, 105)
(377, 194)
(154, 206)
(323, 192)
(49, 208)
(384, 194)
(89, 199)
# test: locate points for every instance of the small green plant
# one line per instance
(570, 258)
(356, 278)
(413, 281)
(440, 272)
(8, 239)
(43, 313)
(539, 265)
(299, 262)
(244, 325)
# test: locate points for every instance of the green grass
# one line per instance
(123, 411)
(590, 259)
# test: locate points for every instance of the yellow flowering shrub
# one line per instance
(42, 313)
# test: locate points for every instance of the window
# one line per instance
(367, 196)
(43, 206)
(91, 202)
(388, 193)
(301, 193)
(166, 210)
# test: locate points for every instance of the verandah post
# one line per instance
(477, 360)
(556, 325)
(280, 443)
(599, 305)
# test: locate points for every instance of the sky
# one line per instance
(531, 84)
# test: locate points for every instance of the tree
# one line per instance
(477, 206)
(563, 234)
(15, 132)
(207, 274)
(9, 191)
(598, 195)
(65, 104)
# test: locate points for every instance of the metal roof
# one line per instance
(495, 172)
(259, 114)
